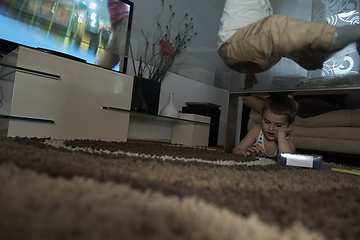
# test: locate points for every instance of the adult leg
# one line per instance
(249, 50)
(265, 42)
(306, 43)
(109, 59)
(115, 48)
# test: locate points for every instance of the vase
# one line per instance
(150, 91)
(137, 101)
(169, 110)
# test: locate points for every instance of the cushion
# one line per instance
(338, 118)
(355, 118)
(327, 145)
(340, 133)
(253, 102)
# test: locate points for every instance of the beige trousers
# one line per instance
(268, 40)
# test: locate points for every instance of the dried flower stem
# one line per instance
(165, 49)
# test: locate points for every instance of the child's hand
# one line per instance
(286, 130)
(253, 149)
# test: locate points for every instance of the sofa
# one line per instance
(335, 131)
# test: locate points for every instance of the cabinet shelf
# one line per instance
(30, 71)
(27, 119)
(153, 116)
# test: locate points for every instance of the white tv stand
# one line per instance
(44, 95)
(50, 96)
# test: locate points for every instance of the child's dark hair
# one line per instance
(281, 104)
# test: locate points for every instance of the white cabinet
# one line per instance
(40, 104)
(191, 133)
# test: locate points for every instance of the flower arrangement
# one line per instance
(165, 47)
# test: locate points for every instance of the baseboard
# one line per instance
(148, 141)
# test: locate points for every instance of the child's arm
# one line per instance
(285, 141)
(245, 146)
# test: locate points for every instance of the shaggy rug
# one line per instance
(82, 189)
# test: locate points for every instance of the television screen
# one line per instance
(95, 31)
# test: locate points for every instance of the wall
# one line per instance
(200, 57)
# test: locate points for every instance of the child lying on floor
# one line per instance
(273, 135)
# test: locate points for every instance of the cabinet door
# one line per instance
(36, 98)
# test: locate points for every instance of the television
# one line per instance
(78, 29)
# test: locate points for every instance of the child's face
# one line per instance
(271, 123)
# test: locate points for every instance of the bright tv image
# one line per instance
(95, 31)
